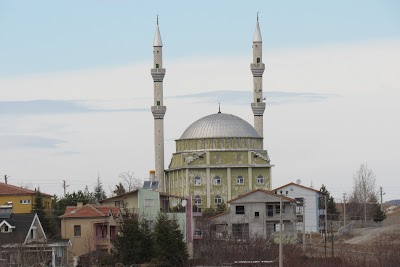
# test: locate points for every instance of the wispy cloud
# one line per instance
(28, 141)
(38, 107)
(245, 97)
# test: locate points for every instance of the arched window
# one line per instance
(197, 180)
(240, 180)
(217, 180)
(260, 179)
(197, 200)
(218, 200)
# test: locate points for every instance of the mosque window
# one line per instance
(240, 180)
(197, 200)
(158, 103)
(258, 100)
(197, 181)
(217, 180)
(258, 60)
(260, 179)
(218, 200)
(157, 66)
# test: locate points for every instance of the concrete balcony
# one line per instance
(158, 111)
(258, 108)
(158, 74)
(257, 69)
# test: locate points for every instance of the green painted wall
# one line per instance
(149, 212)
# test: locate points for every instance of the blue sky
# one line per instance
(51, 36)
(76, 89)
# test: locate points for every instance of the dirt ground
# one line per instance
(359, 242)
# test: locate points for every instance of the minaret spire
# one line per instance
(257, 68)
(158, 109)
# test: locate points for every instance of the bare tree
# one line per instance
(364, 190)
(129, 181)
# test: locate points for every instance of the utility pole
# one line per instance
(326, 223)
(344, 209)
(280, 235)
(6, 179)
(381, 192)
(333, 254)
(304, 224)
(64, 185)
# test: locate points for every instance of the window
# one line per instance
(287, 192)
(258, 60)
(240, 180)
(157, 66)
(113, 232)
(277, 227)
(260, 179)
(239, 209)
(149, 202)
(77, 230)
(158, 103)
(277, 209)
(270, 210)
(257, 214)
(258, 100)
(197, 200)
(101, 231)
(197, 181)
(24, 201)
(218, 200)
(240, 231)
(5, 229)
(117, 204)
(217, 180)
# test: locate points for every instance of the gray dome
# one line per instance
(220, 125)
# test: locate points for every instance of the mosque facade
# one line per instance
(219, 156)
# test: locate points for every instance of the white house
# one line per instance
(314, 205)
(256, 213)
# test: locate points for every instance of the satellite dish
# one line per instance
(184, 202)
(174, 204)
(298, 181)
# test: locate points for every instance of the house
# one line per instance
(90, 227)
(24, 243)
(256, 213)
(22, 199)
(148, 203)
(311, 200)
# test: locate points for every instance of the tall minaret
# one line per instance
(158, 109)
(257, 68)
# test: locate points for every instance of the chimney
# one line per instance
(152, 176)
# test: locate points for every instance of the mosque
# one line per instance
(219, 156)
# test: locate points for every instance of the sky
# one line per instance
(76, 89)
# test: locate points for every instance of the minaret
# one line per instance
(158, 109)
(257, 68)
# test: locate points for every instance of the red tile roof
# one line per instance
(261, 190)
(7, 189)
(309, 188)
(89, 211)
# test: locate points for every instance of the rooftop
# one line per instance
(7, 189)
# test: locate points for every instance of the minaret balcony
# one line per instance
(158, 111)
(158, 74)
(258, 108)
(257, 69)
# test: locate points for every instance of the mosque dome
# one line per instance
(220, 125)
